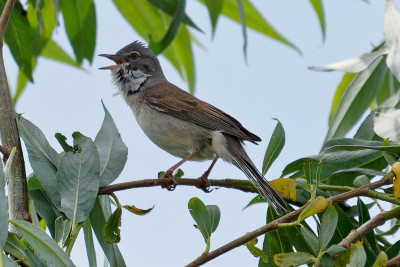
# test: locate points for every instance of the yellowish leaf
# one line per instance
(137, 211)
(396, 181)
(381, 260)
(43, 225)
(258, 253)
(317, 205)
(286, 187)
(293, 259)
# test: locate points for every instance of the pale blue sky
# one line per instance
(275, 84)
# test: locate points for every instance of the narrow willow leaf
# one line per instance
(357, 99)
(54, 52)
(62, 140)
(111, 232)
(357, 255)
(42, 244)
(150, 19)
(91, 252)
(254, 20)
(179, 14)
(275, 146)
(3, 209)
(62, 231)
(169, 7)
(335, 249)
(214, 10)
(386, 123)
(98, 217)
(319, 10)
(311, 238)
(381, 260)
(345, 83)
(78, 178)
(258, 253)
(317, 205)
(242, 15)
(392, 37)
(112, 150)
(353, 65)
(293, 259)
(7, 167)
(80, 25)
(255, 200)
(136, 210)
(363, 215)
(361, 181)
(32, 211)
(45, 208)
(278, 240)
(16, 41)
(328, 226)
(15, 247)
(43, 158)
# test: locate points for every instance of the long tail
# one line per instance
(266, 190)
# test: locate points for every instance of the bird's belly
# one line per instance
(177, 137)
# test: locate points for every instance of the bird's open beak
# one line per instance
(114, 58)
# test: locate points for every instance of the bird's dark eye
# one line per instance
(134, 55)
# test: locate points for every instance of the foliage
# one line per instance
(64, 188)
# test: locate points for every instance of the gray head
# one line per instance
(135, 64)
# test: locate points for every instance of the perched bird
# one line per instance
(182, 124)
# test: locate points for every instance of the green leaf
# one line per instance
(311, 238)
(317, 205)
(42, 244)
(386, 123)
(254, 20)
(206, 217)
(80, 25)
(393, 250)
(242, 16)
(357, 255)
(328, 226)
(3, 209)
(90, 250)
(62, 231)
(214, 10)
(319, 10)
(112, 150)
(62, 140)
(45, 208)
(357, 99)
(335, 249)
(111, 232)
(78, 178)
(370, 241)
(43, 158)
(15, 247)
(136, 210)
(275, 146)
(55, 52)
(179, 173)
(392, 37)
(179, 13)
(149, 19)
(255, 200)
(361, 181)
(17, 41)
(258, 253)
(169, 7)
(98, 217)
(293, 258)
(353, 65)
(32, 211)
(381, 260)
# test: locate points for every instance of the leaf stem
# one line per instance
(73, 236)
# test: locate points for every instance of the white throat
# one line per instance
(129, 81)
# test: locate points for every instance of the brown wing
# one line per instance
(180, 104)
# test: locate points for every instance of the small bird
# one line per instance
(182, 124)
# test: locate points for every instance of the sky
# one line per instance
(275, 83)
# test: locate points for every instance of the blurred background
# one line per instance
(274, 83)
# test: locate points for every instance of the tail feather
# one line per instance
(266, 190)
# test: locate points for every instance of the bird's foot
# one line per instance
(168, 174)
(206, 186)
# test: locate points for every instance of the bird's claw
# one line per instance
(206, 186)
(171, 178)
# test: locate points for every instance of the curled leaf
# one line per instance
(137, 211)
(317, 205)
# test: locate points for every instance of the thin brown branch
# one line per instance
(387, 179)
(17, 187)
(394, 262)
(5, 153)
(243, 185)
